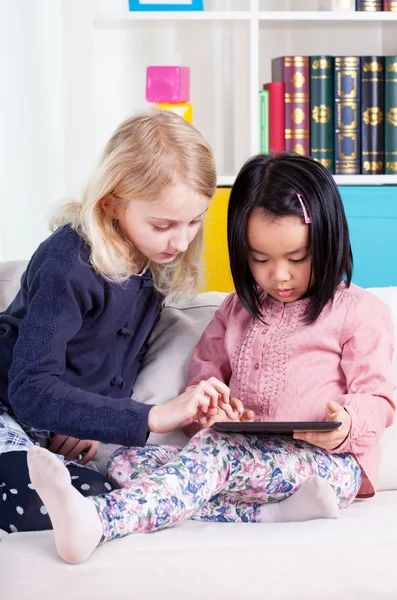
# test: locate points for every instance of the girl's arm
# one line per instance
(56, 302)
(367, 354)
(209, 357)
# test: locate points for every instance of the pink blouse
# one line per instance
(286, 370)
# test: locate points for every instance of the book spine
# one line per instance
(321, 110)
(391, 114)
(369, 5)
(276, 116)
(296, 75)
(347, 115)
(372, 115)
(390, 5)
(263, 122)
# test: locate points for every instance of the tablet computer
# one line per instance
(281, 428)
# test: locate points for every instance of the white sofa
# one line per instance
(353, 557)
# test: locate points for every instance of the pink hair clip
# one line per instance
(305, 212)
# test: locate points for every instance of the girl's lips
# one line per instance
(284, 293)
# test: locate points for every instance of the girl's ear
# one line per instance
(109, 206)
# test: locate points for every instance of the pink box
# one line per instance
(168, 84)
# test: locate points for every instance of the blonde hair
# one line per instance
(147, 153)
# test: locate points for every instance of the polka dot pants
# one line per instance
(21, 508)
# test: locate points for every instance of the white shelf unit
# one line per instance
(228, 48)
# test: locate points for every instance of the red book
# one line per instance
(294, 71)
(276, 116)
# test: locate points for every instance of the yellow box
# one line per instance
(183, 109)
(217, 274)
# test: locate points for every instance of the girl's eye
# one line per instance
(162, 228)
(196, 222)
(299, 260)
(259, 261)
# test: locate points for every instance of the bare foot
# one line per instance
(315, 499)
(75, 520)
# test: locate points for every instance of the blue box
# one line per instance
(168, 5)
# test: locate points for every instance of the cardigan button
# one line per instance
(256, 365)
(119, 381)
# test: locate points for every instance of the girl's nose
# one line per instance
(179, 243)
(281, 273)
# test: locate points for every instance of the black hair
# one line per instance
(272, 183)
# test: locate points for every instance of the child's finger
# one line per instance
(248, 415)
(221, 388)
(237, 405)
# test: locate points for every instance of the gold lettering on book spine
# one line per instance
(353, 92)
(298, 116)
(298, 79)
(299, 149)
(372, 165)
(392, 67)
(326, 162)
(321, 63)
(392, 116)
(321, 114)
(373, 116)
(391, 166)
(373, 67)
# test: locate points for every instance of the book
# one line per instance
(390, 5)
(276, 116)
(294, 72)
(391, 114)
(347, 115)
(369, 5)
(372, 115)
(321, 110)
(263, 122)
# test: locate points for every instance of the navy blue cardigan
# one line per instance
(72, 343)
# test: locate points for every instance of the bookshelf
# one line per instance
(228, 47)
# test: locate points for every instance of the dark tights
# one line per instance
(21, 508)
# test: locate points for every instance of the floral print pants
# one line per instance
(215, 477)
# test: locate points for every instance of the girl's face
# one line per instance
(279, 255)
(162, 229)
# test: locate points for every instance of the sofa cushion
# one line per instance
(350, 558)
(10, 280)
(164, 371)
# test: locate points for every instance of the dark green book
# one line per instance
(372, 115)
(391, 114)
(321, 110)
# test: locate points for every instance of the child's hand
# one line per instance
(197, 401)
(71, 448)
(239, 414)
(329, 440)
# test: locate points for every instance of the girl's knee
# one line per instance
(206, 438)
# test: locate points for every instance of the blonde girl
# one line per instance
(73, 339)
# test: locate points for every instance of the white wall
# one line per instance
(67, 82)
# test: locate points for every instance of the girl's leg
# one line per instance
(321, 483)
(248, 468)
(314, 499)
(21, 508)
(297, 482)
(128, 463)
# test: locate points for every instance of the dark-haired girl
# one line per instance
(296, 342)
